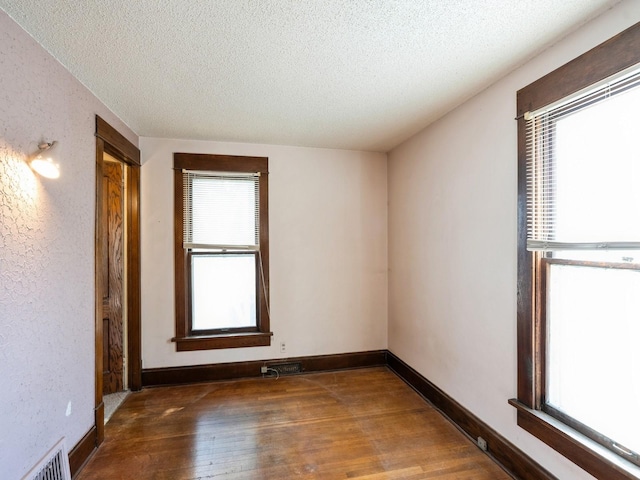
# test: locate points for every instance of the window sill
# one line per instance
(227, 340)
(584, 452)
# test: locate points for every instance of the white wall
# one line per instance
(452, 245)
(328, 251)
(46, 254)
(452, 250)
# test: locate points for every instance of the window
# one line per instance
(221, 251)
(579, 259)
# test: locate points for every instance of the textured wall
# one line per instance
(328, 251)
(46, 254)
(452, 245)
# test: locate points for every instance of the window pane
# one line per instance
(223, 291)
(597, 172)
(593, 322)
(224, 211)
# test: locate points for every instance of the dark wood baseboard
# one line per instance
(512, 459)
(79, 455)
(503, 452)
(153, 377)
(98, 414)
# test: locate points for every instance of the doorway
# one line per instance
(117, 283)
(113, 278)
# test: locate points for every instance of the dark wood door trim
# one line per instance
(112, 142)
(99, 338)
(134, 327)
(116, 144)
(80, 454)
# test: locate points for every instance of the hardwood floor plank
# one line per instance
(364, 424)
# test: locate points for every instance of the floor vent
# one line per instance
(287, 368)
(53, 466)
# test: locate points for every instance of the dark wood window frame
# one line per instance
(185, 339)
(607, 59)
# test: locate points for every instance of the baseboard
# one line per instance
(153, 377)
(503, 452)
(79, 455)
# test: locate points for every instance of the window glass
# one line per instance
(597, 176)
(221, 248)
(592, 310)
(224, 210)
(223, 291)
(578, 302)
(593, 326)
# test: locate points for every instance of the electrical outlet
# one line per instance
(482, 443)
(263, 369)
(283, 347)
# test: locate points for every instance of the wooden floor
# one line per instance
(355, 424)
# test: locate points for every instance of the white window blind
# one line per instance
(221, 210)
(583, 170)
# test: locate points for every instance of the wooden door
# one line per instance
(113, 276)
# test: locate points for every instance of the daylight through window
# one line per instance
(583, 216)
(221, 249)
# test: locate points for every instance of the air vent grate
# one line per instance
(53, 466)
(287, 368)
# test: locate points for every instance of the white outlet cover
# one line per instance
(482, 443)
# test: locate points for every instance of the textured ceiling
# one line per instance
(358, 74)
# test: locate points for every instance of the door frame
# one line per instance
(109, 140)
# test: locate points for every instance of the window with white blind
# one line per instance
(579, 259)
(584, 220)
(221, 250)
